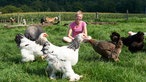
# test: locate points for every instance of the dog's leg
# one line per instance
(69, 72)
(51, 72)
(49, 69)
(26, 59)
(27, 55)
(75, 77)
(53, 75)
(115, 57)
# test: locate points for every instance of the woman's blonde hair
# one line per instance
(79, 12)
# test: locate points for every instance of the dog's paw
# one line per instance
(116, 60)
(76, 77)
(53, 77)
(81, 76)
(27, 60)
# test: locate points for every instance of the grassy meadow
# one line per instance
(130, 68)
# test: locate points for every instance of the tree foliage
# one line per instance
(134, 6)
(10, 9)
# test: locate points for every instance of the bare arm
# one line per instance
(85, 30)
(70, 33)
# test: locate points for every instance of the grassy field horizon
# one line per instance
(130, 68)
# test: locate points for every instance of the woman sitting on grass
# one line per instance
(76, 27)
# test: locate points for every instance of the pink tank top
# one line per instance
(76, 29)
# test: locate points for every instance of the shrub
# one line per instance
(10, 9)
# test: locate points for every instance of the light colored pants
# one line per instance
(67, 39)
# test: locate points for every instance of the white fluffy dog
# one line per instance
(63, 58)
(29, 49)
(130, 33)
(56, 64)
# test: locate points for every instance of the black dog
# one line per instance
(115, 37)
(135, 42)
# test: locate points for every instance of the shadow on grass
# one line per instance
(39, 72)
(94, 58)
(98, 58)
(16, 60)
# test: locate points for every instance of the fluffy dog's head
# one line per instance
(18, 38)
(115, 37)
(139, 37)
(81, 38)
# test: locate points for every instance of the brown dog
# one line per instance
(108, 49)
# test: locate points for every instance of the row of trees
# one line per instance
(134, 6)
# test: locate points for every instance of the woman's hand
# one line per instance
(70, 37)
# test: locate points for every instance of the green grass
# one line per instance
(131, 68)
(34, 17)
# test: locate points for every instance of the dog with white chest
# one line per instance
(56, 64)
(62, 58)
(29, 49)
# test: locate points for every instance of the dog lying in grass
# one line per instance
(134, 42)
(108, 49)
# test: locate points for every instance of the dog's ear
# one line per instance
(140, 33)
(115, 34)
(18, 38)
